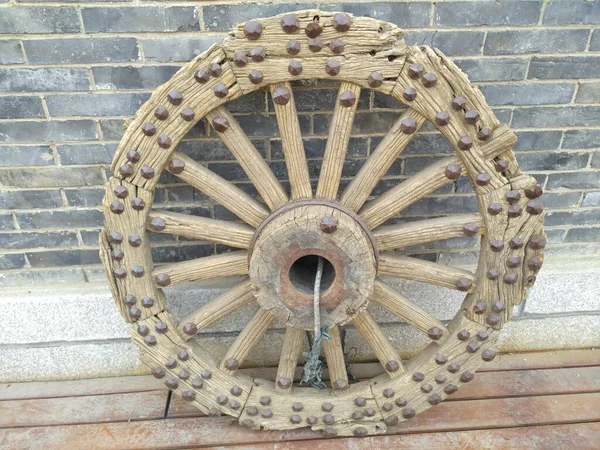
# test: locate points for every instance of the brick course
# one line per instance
(72, 73)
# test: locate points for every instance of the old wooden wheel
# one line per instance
(282, 231)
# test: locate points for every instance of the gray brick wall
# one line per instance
(72, 72)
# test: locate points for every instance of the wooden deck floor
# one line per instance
(537, 400)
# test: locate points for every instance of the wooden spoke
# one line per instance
(425, 271)
(246, 340)
(380, 161)
(375, 337)
(220, 190)
(337, 142)
(387, 205)
(195, 227)
(219, 307)
(422, 231)
(293, 342)
(254, 165)
(391, 300)
(291, 141)
(217, 266)
(334, 353)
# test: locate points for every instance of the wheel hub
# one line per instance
(283, 259)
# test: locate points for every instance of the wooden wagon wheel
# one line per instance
(347, 229)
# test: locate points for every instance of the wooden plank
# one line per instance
(423, 231)
(203, 228)
(249, 158)
(334, 355)
(221, 190)
(580, 436)
(380, 161)
(216, 266)
(212, 431)
(337, 142)
(291, 141)
(293, 343)
(88, 409)
(425, 271)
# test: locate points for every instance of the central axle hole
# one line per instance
(304, 270)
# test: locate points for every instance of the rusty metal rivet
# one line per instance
(265, 400)
(202, 76)
(440, 379)
(328, 419)
(148, 129)
(215, 69)
(453, 367)
(138, 272)
(534, 207)
(161, 113)
(340, 384)
(295, 419)
(175, 97)
(370, 412)
(234, 404)
(134, 240)
(197, 383)
(470, 229)
(388, 393)
(360, 401)
(289, 23)
(255, 76)
(441, 359)
(284, 383)
(488, 354)
(162, 279)
(281, 95)
(392, 366)
(535, 263)
(295, 67)
(138, 204)
(132, 156)
(231, 364)
(442, 118)
(347, 98)
(466, 376)
(164, 142)
(150, 340)
(187, 114)
(293, 47)
(375, 79)
(358, 415)
(409, 94)
(297, 406)
(472, 347)
(206, 374)
(408, 125)
(183, 355)
(157, 224)
(171, 363)
(315, 44)
(252, 410)
(327, 407)
(482, 335)
(465, 143)
(435, 333)
(258, 54)
(337, 46)
(220, 90)
(171, 383)
(236, 391)
(401, 402)
(183, 374)
(537, 242)
(147, 302)
(434, 399)
(464, 284)
(515, 243)
(190, 329)
(341, 22)
(453, 171)
(239, 58)
(333, 67)
(463, 335)
(115, 237)
(220, 123)
(143, 330)
(484, 134)
(426, 388)
(311, 420)
(116, 207)
(496, 245)
(479, 308)
(513, 196)
(471, 117)
(120, 272)
(408, 413)
(450, 389)
(126, 170)
(492, 274)
(117, 254)
(391, 421)
(514, 211)
(429, 79)
(494, 208)
(459, 103)
(313, 29)
(492, 320)
(252, 30)
(510, 278)
(147, 172)
(534, 191)
(120, 191)
(418, 377)
(329, 432)
(222, 399)
(158, 372)
(513, 261)
(483, 179)
(501, 165)
(415, 71)
(387, 406)
(329, 224)
(130, 300)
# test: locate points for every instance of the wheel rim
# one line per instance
(360, 53)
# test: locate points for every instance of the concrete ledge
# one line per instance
(82, 334)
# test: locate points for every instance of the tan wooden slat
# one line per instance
(337, 144)
(219, 307)
(293, 342)
(222, 191)
(334, 354)
(379, 162)
(174, 433)
(385, 352)
(195, 227)
(580, 436)
(216, 266)
(425, 271)
(247, 339)
(391, 202)
(423, 231)
(291, 143)
(250, 160)
(402, 307)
